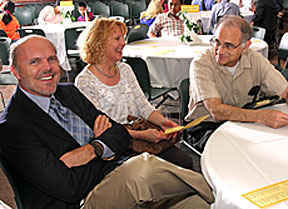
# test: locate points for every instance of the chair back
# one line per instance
(71, 35)
(258, 32)
(4, 50)
(24, 16)
(137, 32)
(119, 9)
(283, 47)
(3, 33)
(140, 70)
(184, 99)
(12, 178)
(28, 31)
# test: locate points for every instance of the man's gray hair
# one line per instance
(15, 46)
(233, 20)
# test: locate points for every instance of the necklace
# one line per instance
(108, 76)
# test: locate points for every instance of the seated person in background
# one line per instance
(9, 22)
(84, 14)
(167, 24)
(223, 7)
(2, 5)
(203, 4)
(221, 78)
(63, 150)
(154, 8)
(113, 88)
(50, 14)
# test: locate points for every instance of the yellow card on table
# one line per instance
(164, 52)
(190, 8)
(268, 195)
(189, 125)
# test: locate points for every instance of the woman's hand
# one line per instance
(152, 135)
(169, 124)
(101, 124)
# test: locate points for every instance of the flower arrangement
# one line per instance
(68, 15)
(190, 30)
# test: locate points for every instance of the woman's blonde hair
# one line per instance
(93, 39)
(154, 8)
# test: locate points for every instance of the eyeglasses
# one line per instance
(215, 43)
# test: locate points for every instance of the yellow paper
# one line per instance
(164, 52)
(143, 42)
(189, 125)
(190, 8)
(66, 3)
(256, 41)
(268, 195)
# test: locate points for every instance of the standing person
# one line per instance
(154, 8)
(203, 4)
(63, 150)
(168, 24)
(266, 16)
(222, 8)
(221, 78)
(113, 88)
(9, 22)
(84, 14)
(50, 14)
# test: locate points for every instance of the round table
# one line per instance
(242, 157)
(168, 59)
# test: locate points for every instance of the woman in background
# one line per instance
(113, 88)
(50, 14)
(9, 22)
(154, 8)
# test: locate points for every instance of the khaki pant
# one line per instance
(146, 180)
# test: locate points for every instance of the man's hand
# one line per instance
(79, 156)
(101, 124)
(273, 118)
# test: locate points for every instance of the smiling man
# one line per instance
(221, 78)
(63, 150)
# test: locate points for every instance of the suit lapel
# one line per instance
(40, 117)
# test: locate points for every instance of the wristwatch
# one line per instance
(97, 149)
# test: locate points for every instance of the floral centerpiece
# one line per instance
(67, 16)
(191, 30)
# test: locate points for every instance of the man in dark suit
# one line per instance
(56, 170)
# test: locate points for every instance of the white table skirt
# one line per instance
(168, 60)
(241, 157)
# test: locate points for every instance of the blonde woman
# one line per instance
(113, 88)
(154, 8)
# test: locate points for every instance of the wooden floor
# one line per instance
(6, 193)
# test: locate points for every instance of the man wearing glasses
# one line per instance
(221, 78)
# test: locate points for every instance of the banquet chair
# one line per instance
(137, 32)
(4, 50)
(13, 180)
(70, 36)
(3, 33)
(140, 69)
(119, 9)
(258, 32)
(24, 16)
(282, 52)
(28, 31)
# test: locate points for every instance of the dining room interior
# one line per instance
(167, 59)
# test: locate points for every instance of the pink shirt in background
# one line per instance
(47, 16)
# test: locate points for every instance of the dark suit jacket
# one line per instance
(32, 143)
(266, 15)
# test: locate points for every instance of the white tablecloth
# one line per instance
(169, 60)
(55, 33)
(205, 17)
(241, 157)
